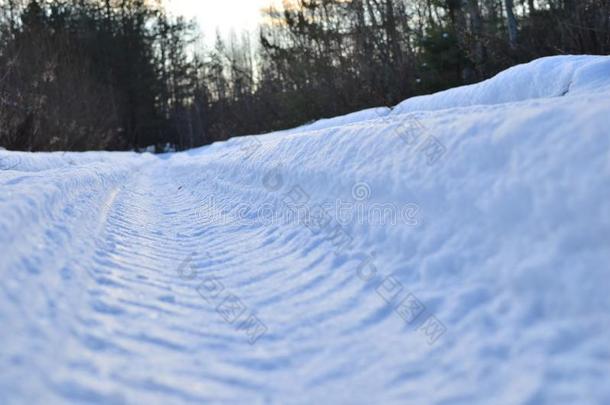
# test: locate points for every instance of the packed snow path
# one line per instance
(464, 258)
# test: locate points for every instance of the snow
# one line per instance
(546, 77)
(465, 258)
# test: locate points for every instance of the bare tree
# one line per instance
(511, 23)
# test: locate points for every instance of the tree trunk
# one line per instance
(511, 23)
(530, 4)
(476, 28)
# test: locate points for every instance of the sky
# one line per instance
(224, 15)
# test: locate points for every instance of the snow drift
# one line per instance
(453, 250)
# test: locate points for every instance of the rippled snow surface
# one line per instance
(455, 250)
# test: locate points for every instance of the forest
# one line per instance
(124, 74)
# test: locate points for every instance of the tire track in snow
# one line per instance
(134, 324)
(140, 310)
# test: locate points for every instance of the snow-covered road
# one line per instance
(455, 250)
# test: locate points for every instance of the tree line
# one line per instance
(123, 74)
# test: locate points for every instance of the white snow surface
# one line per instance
(542, 78)
(490, 286)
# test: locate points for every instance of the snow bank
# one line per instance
(34, 162)
(546, 77)
(542, 78)
(453, 251)
(371, 113)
